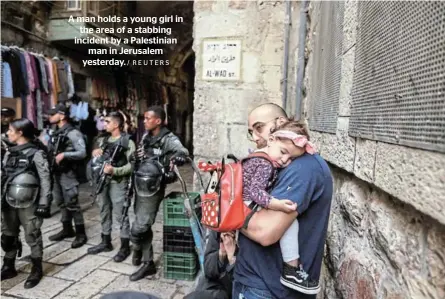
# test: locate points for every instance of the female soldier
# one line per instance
(26, 192)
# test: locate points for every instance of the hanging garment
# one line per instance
(63, 81)
(39, 109)
(71, 90)
(31, 105)
(6, 81)
(44, 81)
(18, 83)
(23, 70)
(83, 111)
(56, 84)
(73, 111)
(51, 80)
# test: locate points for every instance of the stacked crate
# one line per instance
(180, 259)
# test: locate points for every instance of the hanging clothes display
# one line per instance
(39, 81)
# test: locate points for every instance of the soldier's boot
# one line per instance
(137, 257)
(36, 273)
(8, 268)
(66, 232)
(124, 251)
(81, 237)
(147, 268)
(104, 246)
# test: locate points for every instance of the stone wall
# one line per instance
(379, 247)
(220, 109)
(386, 235)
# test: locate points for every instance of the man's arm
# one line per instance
(174, 147)
(78, 142)
(41, 162)
(295, 183)
(266, 227)
(212, 263)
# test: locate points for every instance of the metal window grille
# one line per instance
(326, 71)
(398, 93)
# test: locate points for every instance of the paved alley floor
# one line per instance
(72, 273)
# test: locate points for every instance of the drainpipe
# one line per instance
(300, 61)
(287, 22)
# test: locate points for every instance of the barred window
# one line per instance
(326, 70)
(398, 93)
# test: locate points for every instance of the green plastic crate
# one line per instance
(181, 266)
(174, 211)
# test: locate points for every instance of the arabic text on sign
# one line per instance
(222, 59)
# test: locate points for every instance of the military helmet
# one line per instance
(148, 177)
(22, 190)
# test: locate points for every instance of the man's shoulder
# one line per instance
(306, 163)
(74, 133)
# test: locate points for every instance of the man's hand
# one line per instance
(97, 152)
(59, 158)
(43, 211)
(178, 160)
(222, 253)
(229, 245)
(284, 205)
(108, 169)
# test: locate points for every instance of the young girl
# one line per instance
(286, 143)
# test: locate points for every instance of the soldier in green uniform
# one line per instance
(67, 147)
(26, 192)
(112, 196)
(157, 150)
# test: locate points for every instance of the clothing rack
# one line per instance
(38, 80)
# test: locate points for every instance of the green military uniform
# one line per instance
(22, 160)
(111, 199)
(66, 184)
(163, 147)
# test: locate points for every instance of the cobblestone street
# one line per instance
(72, 273)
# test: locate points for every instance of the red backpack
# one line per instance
(223, 208)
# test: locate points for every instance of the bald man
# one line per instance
(307, 181)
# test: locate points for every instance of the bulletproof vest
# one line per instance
(154, 146)
(19, 161)
(20, 177)
(65, 145)
(109, 147)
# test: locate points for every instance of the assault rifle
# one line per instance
(54, 153)
(103, 177)
(127, 202)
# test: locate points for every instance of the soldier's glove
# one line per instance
(170, 177)
(43, 211)
(179, 160)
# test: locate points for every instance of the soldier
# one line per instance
(8, 116)
(158, 149)
(26, 190)
(112, 197)
(67, 148)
